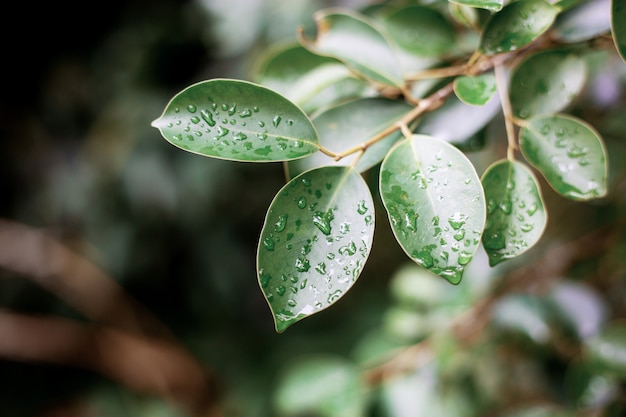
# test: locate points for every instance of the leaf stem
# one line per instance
(503, 90)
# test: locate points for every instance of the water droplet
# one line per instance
(245, 113)
(424, 257)
(321, 268)
(264, 278)
(290, 122)
(322, 221)
(410, 220)
(494, 240)
(491, 205)
(532, 209)
(298, 144)
(577, 151)
(282, 146)
(224, 107)
(302, 265)
(506, 206)
(306, 182)
(464, 258)
(240, 136)
(207, 116)
(334, 296)
(457, 220)
(195, 119)
(361, 207)
(344, 228)
(261, 123)
(191, 108)
(348, 250)
(276, 120)
(301, 202)
(222, 131)
(280, 224)
(280, 290)
(459, 235)
(268, 243)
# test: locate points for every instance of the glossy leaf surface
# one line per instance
(353, 40)
(534, 90)
(238, 121)
(583, 22)
(435, 204)
(618, 26)
(516, 217)
(491, 5)
(569, 153)
(516, 25)
(350, 124)
(607, 350)
(314, 242)
(475, 90)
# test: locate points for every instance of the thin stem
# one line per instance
(503, 90)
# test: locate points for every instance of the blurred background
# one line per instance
(127, 266)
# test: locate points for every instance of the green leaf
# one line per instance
(516, 217)
(568, 152)
(475, 90)
(618, 26)
(435, 203)
(348, 125)
(583, 22)
(238, 121)
(534, 90)
(325, 386)
(464, 14)
(607, 350)
(352, 39)
(421, 30)
(491, 5)
(516, 25)
(314, 243)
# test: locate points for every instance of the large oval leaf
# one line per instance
(315, 240)
(534, 90)
(618, 27)
(583, 22)
(607, 349)
(238, 121)
(568, 152)
(516, 217)
(435, 204)
(348, 125)
(352, 39)
(516, 25)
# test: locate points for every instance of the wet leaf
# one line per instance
(314, 243)
(420, 30)
(618, 27)
(352, 39)
(238, 121)
(607, 350)
(516, 25)
(325, 386)
(534, 90)
(435, 204)
(583, 22)
(516, 217)
(475, 90)
(491, 5)
(350, 124)
(568, 152)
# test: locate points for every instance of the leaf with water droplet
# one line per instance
(618, 28)
(235, 120)
(324, 242)
(516, 25)
(516, 217)
(568, 152)
(351, 38)
(582, 22)
(491, 5)
(606, 351)
(349, 124)
(534, 90)
(475, 90)
(434, 184)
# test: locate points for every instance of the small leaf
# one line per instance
(583, 22)
(475, 90)
(435, 204)
(534, 90)
(352, 39)
(516, 217)
(516, 25)
(618, 27)
(349, 124)
(464, 14)
(314, 243)
(238, 121)
(491, 5)
(569, 153)
(607, 350)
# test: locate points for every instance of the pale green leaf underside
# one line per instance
(569, 153)
(350, 124)
(314, 243)
(435, 203)
(353, 40)
(491, 5)
(535, 91)
(475, 90)
(516, 217)
(618, 26)
(238, 121)
(516, 25)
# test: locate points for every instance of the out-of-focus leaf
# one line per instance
(618, 27)
(314, 243)
(516, 217)
(583, 22)
(524, 315)
(351, 38)
(238, 121)
(464, 14)
(435, 203)
(350, 124)
(516, 25)
(412, 286)
(606, 351)
(475, 90)
(491, 5)
(325, 386)
(534, 90)
(541, 411)
(569, 153)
